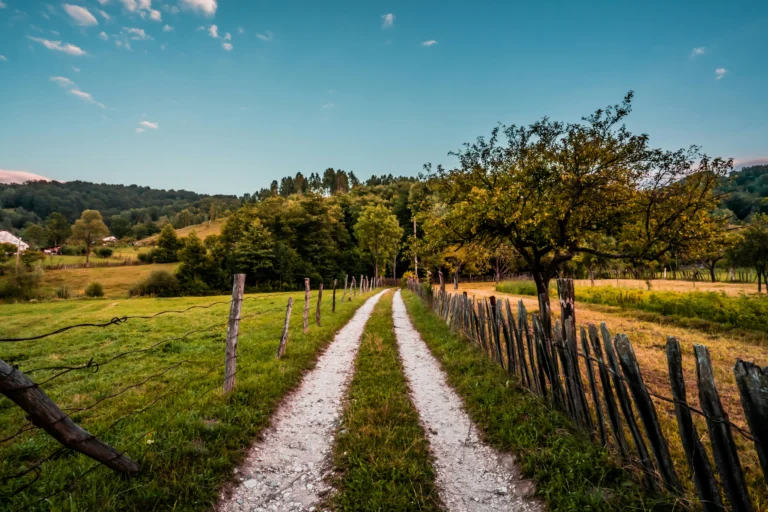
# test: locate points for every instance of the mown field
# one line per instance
(648, 333)
(161, 402)
(202, 230)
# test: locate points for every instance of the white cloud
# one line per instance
(81, 15)
(55, 32)
(129, 5)
(201, 27)
(240, 30)
(137, 34)
(173, 10)
(75, 69)
(387, 20)
(167, 28)
(329, 105)
(103, 2)
(227, 36)
(205, 7)
(35, 27)
(699, 50)
(63, 81)
(431, 42)
(8, 176)
(213, 30)
(87, 97)
(2, 5)
(720, 73)
(147, 124)
(3, 58)
(105, 15)
(139, 130)
(103, 35)
(267, 36)
(227, 46)
(58, 46)
(163, 47)
(155, 15)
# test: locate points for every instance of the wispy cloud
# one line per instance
(81, 15)
(3, 58)
(86, 97)
(431, 42)
(227, 36)
(139, 130)
(227, 46)
(72, 88)
(105, 15)
(2, 4)
(75, 69)
(266, 36)
(329, 105)
(213, 30)
(387, 20)
(204, 7)
(137, 34)
(150, 125)
(58, 46)
(699, 50)
(155, 15)
(240, 30)
(103, 35)
(63, 81)
(720, 73)
(167, 28)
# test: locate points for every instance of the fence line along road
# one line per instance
(44, 413)
(614, 401)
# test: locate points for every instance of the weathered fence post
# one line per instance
(319, 299)
(306, 304)
(44, 413)
(333, 307)
(701, 468)
(442, 283)
(361, 284)
(233, 329)
(284, 338)
(344, 294)
(723, 448)
(753, 388)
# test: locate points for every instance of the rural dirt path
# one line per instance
(284, 471)
(471, 475)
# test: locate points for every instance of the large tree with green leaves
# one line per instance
(555, 190)
(58, 228)
(751, 248)
(88, 230)
(378, 235)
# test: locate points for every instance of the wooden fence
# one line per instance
(611, 401)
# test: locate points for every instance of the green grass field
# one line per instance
(381, 451)
(163, 407)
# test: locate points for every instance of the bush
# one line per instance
(104, 252)
(72, 250)
(159, 283)
(63, 292)
(147, 257)
(23, 285)
(94, 289)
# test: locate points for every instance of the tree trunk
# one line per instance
(712, 271)
(759, 281)
(542, 283)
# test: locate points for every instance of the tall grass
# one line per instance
(750, 313)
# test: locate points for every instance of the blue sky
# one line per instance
(147, 92)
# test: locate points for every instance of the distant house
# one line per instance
(56, 249)
(8, 238)
(109, 240)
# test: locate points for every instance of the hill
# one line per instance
(747, 191)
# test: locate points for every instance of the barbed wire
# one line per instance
(122, 319)
(741, 431)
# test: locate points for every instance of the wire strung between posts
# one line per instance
(123, 319)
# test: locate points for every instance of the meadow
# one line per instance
(161, 401)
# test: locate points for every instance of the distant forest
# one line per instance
(747, 191)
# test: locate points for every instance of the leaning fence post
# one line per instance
(306, 304)
(284, 338)
(233, 329)
(753, 388)
(333, 308)
(319, 299)
(723, 448)
(44, 413)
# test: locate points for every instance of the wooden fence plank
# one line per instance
(701, 468)
(723, 448)
(593, 389)
(284, 337)
(753, 388)
(233, 330)
(306, 304)
(319, 300)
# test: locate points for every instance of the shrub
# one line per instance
(95, 289)
(69, 250)
(104, 252)
(23, 285)
(159, 283)
(147, 257)
(63, 292)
